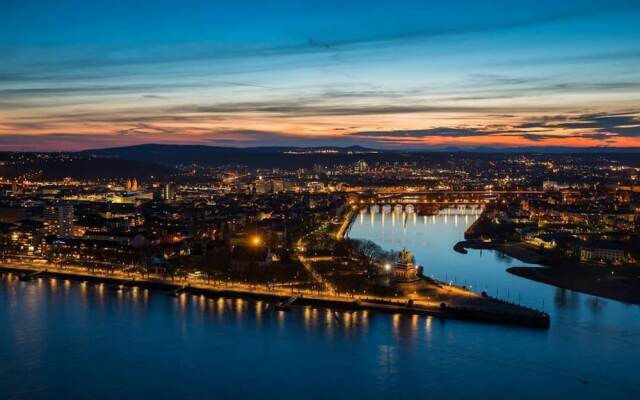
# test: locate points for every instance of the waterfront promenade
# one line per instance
(346, 223)
(467, 305)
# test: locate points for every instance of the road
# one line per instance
(201, 283)
(469, 305)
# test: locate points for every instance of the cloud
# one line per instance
(597, 126)
(308, 108)
(599, 136)
(132, 88)
(458, 132)
(538, 137)
(597, 57)
(422, 133)
(480, 26)
(144, 129)
(52, 60)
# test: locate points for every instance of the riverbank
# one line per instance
(488, 311)
(615, 283)
(346, 224)
(518, 251)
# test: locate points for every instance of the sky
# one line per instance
(77, 74)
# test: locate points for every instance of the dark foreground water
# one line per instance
(62, 340)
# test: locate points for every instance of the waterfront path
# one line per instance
(306, 262)
(471, 307)
(346, 223)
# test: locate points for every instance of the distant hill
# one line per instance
(59, 166)
(255, 157)
(305, 157)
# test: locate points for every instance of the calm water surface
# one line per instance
(63, 340)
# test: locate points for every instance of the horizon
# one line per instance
(554, 150)
(408, 76)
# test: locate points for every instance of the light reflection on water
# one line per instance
(141, 343)
(584, 329)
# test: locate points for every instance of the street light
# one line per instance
(256, 240)
(387, 267)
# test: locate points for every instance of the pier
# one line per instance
(286, 305)
(177, 292)
(26, 277)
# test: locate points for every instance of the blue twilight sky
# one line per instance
(82, 74)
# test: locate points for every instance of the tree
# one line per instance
(217, 263)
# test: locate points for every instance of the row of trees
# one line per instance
(365, 250)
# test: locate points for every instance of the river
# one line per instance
(63, 339)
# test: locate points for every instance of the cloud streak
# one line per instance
(376, 73)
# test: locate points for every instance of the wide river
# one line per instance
(61, 339)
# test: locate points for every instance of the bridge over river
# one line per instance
(440, 197)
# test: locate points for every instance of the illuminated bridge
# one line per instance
(440, 197)
(453, 208)
(407, 214)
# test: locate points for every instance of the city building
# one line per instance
(604, 255)
(169, 192)
(58, 220)
(65, 220)
(132, 185)
(361, 166)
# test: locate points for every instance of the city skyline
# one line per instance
(406, 75)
